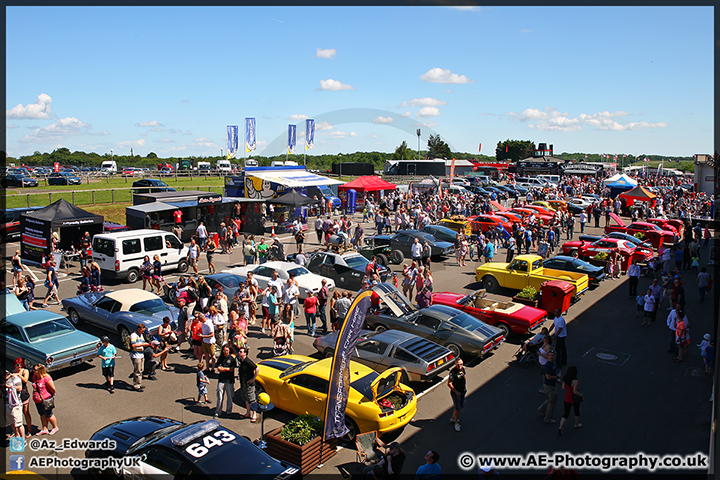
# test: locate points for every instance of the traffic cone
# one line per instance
(272, 234)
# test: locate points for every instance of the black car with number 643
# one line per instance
(159, 447)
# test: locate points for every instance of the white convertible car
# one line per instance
(307, 281)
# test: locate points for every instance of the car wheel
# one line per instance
(573, 252)
(504, 328)
(352, 430)
(382, 259)
(182, 266)
(491, 284)
(124, 335)
(380, 328)
(132, 276)
(396, 257)
(455, 349)
(74, 317)
(328, 353)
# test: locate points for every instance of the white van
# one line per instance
(109, 167)
(204, 167)
(224, 166)
(554, 179)
(251, 162)
(121, 254)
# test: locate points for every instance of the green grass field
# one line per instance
(106, 191)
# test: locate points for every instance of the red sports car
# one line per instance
(507, 316)
(653, 234)
(672, 224)
(525, 212)
(488, 222)
(542, 211)
(628, 250)
(511, 217)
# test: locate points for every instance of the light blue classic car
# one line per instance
(120, 311)
(44, 337)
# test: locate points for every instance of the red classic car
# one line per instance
(653, 234)
(525, 212)
(511, 217)
(488, 222)
(672, 224)
(542, 211)
(507, 316)
(628, 250)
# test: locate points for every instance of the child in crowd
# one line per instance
(695, 265)
(202, 383)
(640, 299)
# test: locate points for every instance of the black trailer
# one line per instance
(415, 167)
(359, 169)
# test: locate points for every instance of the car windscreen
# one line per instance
(298, 271)
(356, 262)
(149, 307)
(230, 281)
(51, 328)
(466, 321)
(295, 368)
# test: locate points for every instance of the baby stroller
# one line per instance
(527, 354)
(281, 340)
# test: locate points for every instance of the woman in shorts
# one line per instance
(24, 375)
(146, 272)
(157, 277)
(17, 267)
(44, 398)
(210, 253)
(195, 331)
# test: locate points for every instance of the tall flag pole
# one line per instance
(309, 137)
(232, 141)
(339, 387)
(291, 140)
(250, 140)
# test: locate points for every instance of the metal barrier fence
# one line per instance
(114, 195)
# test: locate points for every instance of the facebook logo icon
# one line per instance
(17, 462)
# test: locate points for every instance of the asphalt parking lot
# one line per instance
(637, 398)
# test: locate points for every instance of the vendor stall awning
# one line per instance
(293, 178)
(368, 184)
(151, 207)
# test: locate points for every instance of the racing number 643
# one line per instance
(198, 449)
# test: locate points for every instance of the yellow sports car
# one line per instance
(376, 402)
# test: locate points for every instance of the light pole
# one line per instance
(111, 154)
(418, 134)
(221, 154)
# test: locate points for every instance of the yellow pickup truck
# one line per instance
(526, 271)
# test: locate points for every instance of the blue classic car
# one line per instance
(121, 311)
(44, 337)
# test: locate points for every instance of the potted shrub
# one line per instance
(300, 442)
(528, 296)
(601, 259)
(640, 236)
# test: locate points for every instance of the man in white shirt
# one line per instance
(275, 280)
(319, 229)
(291, 293)
(560, 327)
(137, 347)
(633, 274)
(416, 250)
(671, 323)
(202, 235)
(208, 341)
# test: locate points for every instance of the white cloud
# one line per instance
(337, 134)
(439, 75)
(204, 142)
(298, 116)
(101, 134)
(323, 126)
(331, 84)
(11, 126)
(406, 114)
(40, 109)
(423, 102)
(144, 134)
(325, 53)
(373, 135)
(426, 112)
(165, 140)
(353, 134)
(57, 131)
(132, 143)
(153, 123)
(382, 120)
(551, 119)
(448, 90)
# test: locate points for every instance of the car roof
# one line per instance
(131, 295)
(33, 317)
(279, 265)
(392, 336)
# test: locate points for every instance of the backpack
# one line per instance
(192, 295)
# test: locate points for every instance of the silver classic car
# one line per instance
(44, 337)
(419, 358)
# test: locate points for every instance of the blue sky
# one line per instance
(634, 80)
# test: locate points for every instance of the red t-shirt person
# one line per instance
(178, 215)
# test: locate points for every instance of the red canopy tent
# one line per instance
(637, 194)
(371, 184)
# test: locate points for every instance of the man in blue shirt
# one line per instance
(107, 353)
(431, 470)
